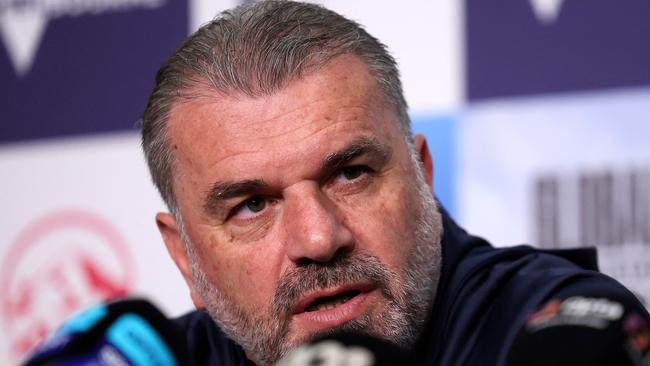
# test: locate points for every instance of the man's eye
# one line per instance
(352, 173)
(255, 204)
(250, 207)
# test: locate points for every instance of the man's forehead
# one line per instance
(346, 77)
(342, 93)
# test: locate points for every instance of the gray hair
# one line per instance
(255, 50)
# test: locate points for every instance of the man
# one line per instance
(300, 203)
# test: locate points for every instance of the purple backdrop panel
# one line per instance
(91, 70)
(529, 47)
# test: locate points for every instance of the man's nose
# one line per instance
(315, 229)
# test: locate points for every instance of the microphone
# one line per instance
(583, 331)
(126, 333)
(347, 349)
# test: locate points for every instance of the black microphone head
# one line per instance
(581, 331)
(125, 332)
(348, 349)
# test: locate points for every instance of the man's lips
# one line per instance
(336, 296)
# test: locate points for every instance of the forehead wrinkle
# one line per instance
(307, 122)
(273, 156)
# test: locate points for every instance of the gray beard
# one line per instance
(410, 294)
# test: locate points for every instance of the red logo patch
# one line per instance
(57, 265)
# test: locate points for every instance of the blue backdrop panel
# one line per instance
(441, 137)
(512, 50)
(91, 73)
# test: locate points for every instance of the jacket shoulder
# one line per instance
(207, 344)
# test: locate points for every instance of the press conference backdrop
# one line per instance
(537, 112)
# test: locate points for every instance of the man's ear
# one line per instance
(176, 248)
(424, 154)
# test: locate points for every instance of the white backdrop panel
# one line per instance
(506, 146)
(103, 181)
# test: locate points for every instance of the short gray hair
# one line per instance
(257, 49)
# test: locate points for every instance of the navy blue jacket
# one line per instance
(484, 297)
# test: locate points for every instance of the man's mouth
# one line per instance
(328, 299)
(330, 302)
(333, 306)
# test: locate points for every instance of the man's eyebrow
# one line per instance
(224, 190)
(377, 151)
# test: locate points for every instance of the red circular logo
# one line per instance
(57, 265)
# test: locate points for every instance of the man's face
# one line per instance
(302, 213)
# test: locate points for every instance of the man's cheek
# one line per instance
(380, 234)
(392, 223)
(220, 267)
(251, 283)
(390, 208)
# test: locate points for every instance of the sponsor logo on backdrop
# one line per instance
(548, 46)
(609, 209)
(23, 22)
(599, 208)
(58, 264)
